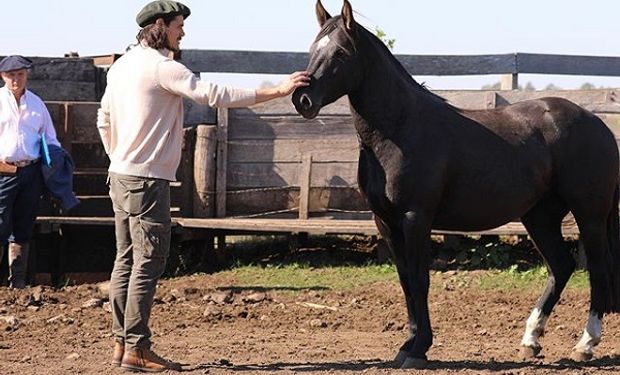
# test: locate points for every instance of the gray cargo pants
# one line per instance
(142, 226)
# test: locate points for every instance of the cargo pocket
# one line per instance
(128, 194)
(155, 239)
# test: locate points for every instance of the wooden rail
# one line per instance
(510, 65)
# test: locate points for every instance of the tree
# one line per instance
(383, 37)
(587, 86)
(494, 86)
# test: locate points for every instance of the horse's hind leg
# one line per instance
(544, 224)
(593, 235)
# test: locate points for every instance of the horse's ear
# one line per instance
(347, 15)
(321, 14)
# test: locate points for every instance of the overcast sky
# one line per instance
(51, 28)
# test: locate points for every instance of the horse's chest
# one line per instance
(377, 182)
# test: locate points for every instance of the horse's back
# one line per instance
(512, 156)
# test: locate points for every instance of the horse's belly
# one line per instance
(482, 214)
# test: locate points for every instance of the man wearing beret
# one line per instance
(140, 122)
(24, 119)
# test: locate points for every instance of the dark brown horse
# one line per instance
(425, 164)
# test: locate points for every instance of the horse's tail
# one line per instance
(613, 265)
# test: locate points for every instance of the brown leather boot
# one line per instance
(119, 350)
(147, 361)
(18, 262)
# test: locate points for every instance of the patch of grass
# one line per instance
(532, 278)
(295, 277)
(298, 276)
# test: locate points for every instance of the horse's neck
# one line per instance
(380, 101)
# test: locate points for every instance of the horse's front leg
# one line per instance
(417, 229)
(394, 239)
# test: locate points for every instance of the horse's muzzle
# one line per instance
(304, 104)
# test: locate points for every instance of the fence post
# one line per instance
(204, 171)
(510, 82)
(304, 186)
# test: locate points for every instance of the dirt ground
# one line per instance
(216, 328)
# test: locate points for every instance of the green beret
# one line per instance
(161, 8)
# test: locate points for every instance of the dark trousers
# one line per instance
(142, 227)
(19, 201)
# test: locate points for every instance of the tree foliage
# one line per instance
(389, 42)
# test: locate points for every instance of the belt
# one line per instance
(22, 163)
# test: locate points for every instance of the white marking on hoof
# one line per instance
(591, 338)
(534, 329)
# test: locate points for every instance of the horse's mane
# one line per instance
(381, 47)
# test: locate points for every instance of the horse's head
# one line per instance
(334, 66)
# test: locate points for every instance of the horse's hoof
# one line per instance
(581, 356)
(415, 363)
(401, 357)
(528, 352)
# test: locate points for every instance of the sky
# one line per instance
(451, 27)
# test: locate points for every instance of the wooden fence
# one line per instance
(261, 169)
(267, 161)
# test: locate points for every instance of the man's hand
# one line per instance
(295, 80)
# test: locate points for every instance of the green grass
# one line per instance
(295, 277)
(298, 276)
(532, 278)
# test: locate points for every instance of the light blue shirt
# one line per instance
(21, 126)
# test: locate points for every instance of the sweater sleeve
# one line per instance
(176, 78)
(103, 122)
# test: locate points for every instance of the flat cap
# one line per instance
(14, 62)
(161, 8)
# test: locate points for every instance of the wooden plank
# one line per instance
(322, 200)
(252, 175)
(83, 220)
(284, 106)
(63, 69)
(473, 99)
(448, 65)
(93, 206)
(304, 186)
(85, 122)
(612, 121)
(221, 178)
(291, 127)
(581, 97)
(260, 62)
(67, 135)
(568, 64)
(345, 149)
(323, 226)
(52, 90)
(90, 155)
(195, 114)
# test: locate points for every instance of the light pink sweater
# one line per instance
(141, 116)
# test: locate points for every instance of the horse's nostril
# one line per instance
(305, 101)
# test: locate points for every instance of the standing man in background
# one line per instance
(24, 119)
(140, 122)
